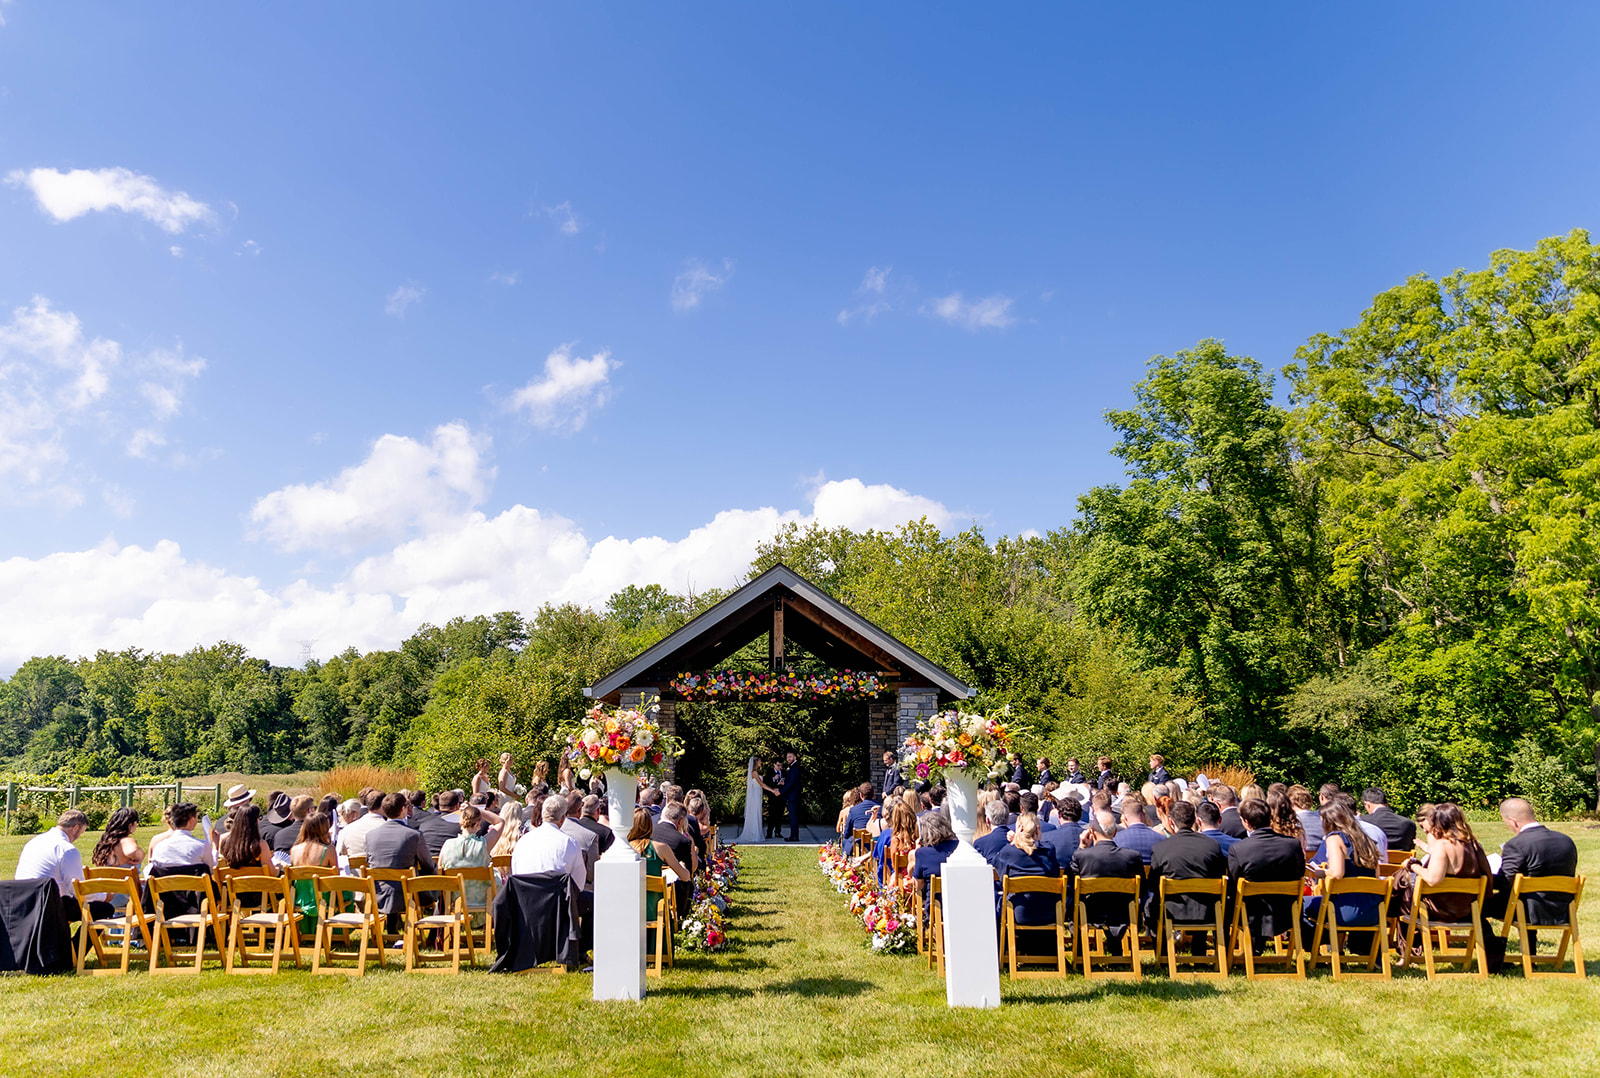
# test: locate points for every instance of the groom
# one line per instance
(789, 791)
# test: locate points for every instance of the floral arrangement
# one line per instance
(704, 926)
(885, 912)
(957, 742)
(769, 685)
(630, 740)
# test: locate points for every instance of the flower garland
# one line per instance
(886, 913)
(630, 740)
(957, 742)
(768, 685)
(704, 926)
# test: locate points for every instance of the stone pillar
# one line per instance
(880, 734)
(637, 699)
(914, 704)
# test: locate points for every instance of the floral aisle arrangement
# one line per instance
(769, 685)
(887, 913)
(955, 742)
(615, 737)
(704, 926)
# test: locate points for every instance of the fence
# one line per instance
(172, 792)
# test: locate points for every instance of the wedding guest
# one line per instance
(440, 825)
(394, 845)
(1025, 855)
(1207, 822)
(1401, 832)
(1532, 850)
(674, 831)
(1306, 809)
(587, 841)
(935, 843)
(182, 847)
(277, 815)
(1345, 852)
(117, 847)
(1453, 852)
(469, 849)
(1136, 834)
(1101, 857)
(284, 839)
(1265, 856)
(511, 830)
(353, 836)
(650, 801)
(860, 816)
(902, 840)
(998, 835)
(589, 818)
(852, 797)
(1250, 790)
(54, 855)
(1227, 801)
(161, 836)
(1162, 805)
(1188, 855)
(243, 846)
(313, 848)
(1284, 820)
(1063, 838)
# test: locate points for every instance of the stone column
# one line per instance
(914, 704)
(880, 734)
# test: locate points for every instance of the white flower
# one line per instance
(584, 774)
(644, 738)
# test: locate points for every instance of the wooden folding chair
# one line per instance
(298, 874)
(357, 864)
(1459, 942)
(1290, 962)
(1517, 915)
(1331, 934)
(1217, 927)
(1022, 885)
(660, 956)
(936, 924)
(452, 923)
(501, 863)
(206, 919)
(347, 904)
(276, 915)
(1092, 937)
(114, 934)
(860, 843)
(484, 875)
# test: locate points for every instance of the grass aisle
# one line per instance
(795, 993)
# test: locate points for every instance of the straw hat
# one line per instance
(238, 795)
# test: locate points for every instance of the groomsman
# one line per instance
(891, 774)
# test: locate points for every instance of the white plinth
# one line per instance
(971, 949)
(619, 932)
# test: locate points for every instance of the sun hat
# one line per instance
(278, 809)
(238, 795)
(1201, 781)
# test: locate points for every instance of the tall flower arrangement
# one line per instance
(626, 739)
(961, 743)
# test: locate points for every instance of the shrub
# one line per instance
(1547, 781)
(1228, 775)
(25, 820)
(348, 780)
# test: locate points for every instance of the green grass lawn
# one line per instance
(797, 993)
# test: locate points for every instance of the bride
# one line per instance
(753, 789)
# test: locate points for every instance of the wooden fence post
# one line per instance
(128, 802)
(72, 796)
(218, 810)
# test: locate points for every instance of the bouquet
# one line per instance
(613, 737)
(957, 742)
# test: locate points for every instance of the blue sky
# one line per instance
(315, 323)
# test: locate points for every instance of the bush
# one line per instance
(347, 781)
(25, 820)
(1549, 782)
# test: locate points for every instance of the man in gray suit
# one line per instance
(588, 842)
(392, 844)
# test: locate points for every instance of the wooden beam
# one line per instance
(845, 633)
(775, 640)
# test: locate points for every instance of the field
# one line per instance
(797, 993)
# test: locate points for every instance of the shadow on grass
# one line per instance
(1146, 989)
(804, 988)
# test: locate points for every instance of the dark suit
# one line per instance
(1221, 838)
(1019, 775)
(394, 845)
(856, 820)
(683, 849)
(1231, 824)
(1106, 780)
(1267, 857)
(992, 844)
(1534, 851)
(1160, 777)
(1401, 832)
(602, 833)
(1045, 778)
(1187, 855)
(891, 778)
(1063, 839)
(1102, 860)
(789, 791)
(1141, 838)
(436, 829)
(1075, 778)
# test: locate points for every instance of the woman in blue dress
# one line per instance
(1344, 853)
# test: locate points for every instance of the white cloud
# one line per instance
(504, 278)
(56, 381)
(462, 562)
(567, 222)
(67, 195)
(175, 251)
(697, 281)
(403, 299)
(871, 294)
(560, 399)
(991, 312)
(403, 484)
(249, 247)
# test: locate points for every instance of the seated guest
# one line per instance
(181, 848)
(1227, 802)
(1306, 811)
(468, 849)
(313, 848)
(284, 838)
(277, 816)
(512, 828)
(1013, 800)
(243, 846)
(394, 845)
(1400, 832)
(589, 818)
(1345, 852)
(672, 830)
(1532, 850)
(54, 855)
(700, 819)
(547, 848)
(441, 826)
(117, 847)
(1187, 855)
(650, 799)
(1265, 856)
(851, 798)
(353, 836)
(1100, 857)
(1028, 803)
(1379, 839)
(935, 843)
(998, 837)
(1284, 820)
(1162, 806)
(588, 842)
(1136, 834)
(1207, 821)
(656, 856)
(902, 840)
(862, 813)
(1063, 837)
(1454, 852)
(1026, 856)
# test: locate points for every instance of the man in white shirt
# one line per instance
(181, 847)
(353, 839)
(548, 848)
(54, 855)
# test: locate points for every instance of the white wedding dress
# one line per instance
(753, 832)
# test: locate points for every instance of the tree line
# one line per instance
(1387, 576)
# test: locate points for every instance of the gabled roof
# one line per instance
(823, 625)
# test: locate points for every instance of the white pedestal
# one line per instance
(619, 932)
(971, 950)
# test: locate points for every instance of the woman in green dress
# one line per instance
(314, 847)
(656, 855)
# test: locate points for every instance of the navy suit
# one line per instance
(1221, 838)
(1139, 838)
(789, 791)
(991, 844)
(1063, 839)
(1030, 909)
(856, 820)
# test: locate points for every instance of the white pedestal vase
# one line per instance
(619, 901)
(971, 948)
